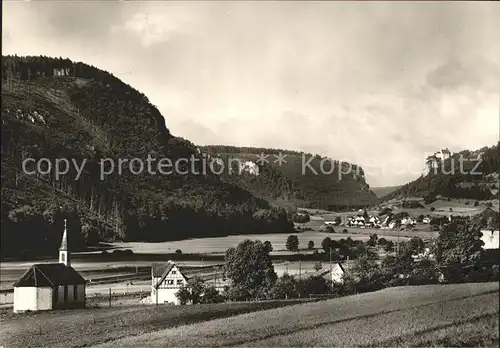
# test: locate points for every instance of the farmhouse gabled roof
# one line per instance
(158, 269)
(49, 275)
(163, 270)
(326, 272)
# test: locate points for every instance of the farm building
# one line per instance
(490, 239)
(50, 285)
(166, 280)
(336, 274)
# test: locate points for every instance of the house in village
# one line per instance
(249, 167)
(61, 72)
(490, 239)
(166, 280)
(408, 221)
(49, 286)
(374, 221)
(336, 274)
(491, 245)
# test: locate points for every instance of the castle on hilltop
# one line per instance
(433, 161)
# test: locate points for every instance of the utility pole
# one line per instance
(156, 292)
(397, 244)
(300, 269)
(29, 89)
(109, 298)
(331, 270)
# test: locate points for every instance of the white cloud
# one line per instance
(368, 83)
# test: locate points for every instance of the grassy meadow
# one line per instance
(91, 326)
(422, 315)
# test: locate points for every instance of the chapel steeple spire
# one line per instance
(63, 250)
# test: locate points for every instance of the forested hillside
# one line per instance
(384, 190)
(55, 108)
(331, 185)
(467, 174)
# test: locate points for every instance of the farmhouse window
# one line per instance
(174, 272)
(179, 281)
(170, 282)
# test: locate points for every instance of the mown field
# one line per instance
(420, 315)
(86, 327)
(278, 240)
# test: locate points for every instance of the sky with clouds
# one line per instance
(374, 83)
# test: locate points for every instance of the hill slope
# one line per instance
(461, 176)
(89, 115)
(422, 315)
(303, 179)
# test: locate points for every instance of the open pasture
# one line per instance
(425, 314)
(90, 326)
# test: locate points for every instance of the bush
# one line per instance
(292, 243)
(476, 203)
(301, 218)
(318, 266)
(385, 211)
(330, 229)
(373, 240)
(345, 231)
(178, 251)
(326, 244)
(184, 295)
(310, 245)
(382, 241)
(211, 295)
(432, 209)
(429, 199)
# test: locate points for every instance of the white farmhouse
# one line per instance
(50, 285)
(490, 239)
(166, 280)
(250, 167)
(336, 275)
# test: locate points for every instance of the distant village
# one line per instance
(363, 220)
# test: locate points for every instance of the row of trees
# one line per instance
(346, 248)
